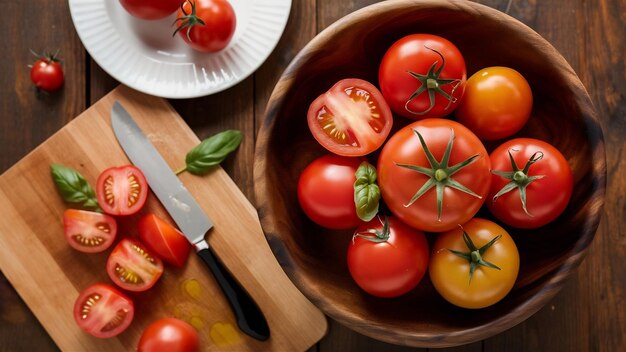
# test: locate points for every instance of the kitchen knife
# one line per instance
(190, 218)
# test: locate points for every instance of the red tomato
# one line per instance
(206, 25)
(164, 240)
(151, 9)
(351, 118)
(89, 231)
(387, 259)
(438, 194)
(169, 335)
(422, 76)
(326, 191)
(538, 187)
(496, 104)
(122, 190)
(47, 74)
(133, 267)
(103, 311)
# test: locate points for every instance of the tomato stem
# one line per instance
(519, 178)
(189, 20)
(374, 235)
(475, 255)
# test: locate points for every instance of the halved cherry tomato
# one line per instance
(89, 231)
(164, 240)
(103, 311)
(122, 190)
(169, 335)
(133, 267)
(351, 118)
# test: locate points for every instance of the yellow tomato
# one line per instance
(495, 266)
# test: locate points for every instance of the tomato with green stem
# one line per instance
(422, 76)
(531, 185)
(47, 73)
(206, 25)
(475, 265)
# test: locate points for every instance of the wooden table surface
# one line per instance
(587, 315)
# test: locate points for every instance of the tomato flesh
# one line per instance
(133, 267)
(88, 231)
(171, 335)
(164, 240)
(103, 311)
(351, 119)
(122, 190)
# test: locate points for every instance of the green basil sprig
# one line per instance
(366, 192)
(73, 187)
(211, 152)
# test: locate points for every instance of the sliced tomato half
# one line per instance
(133, 267)
(122, 190)
(103, 311)
(89, 231)
(351, 118)
(164, 239)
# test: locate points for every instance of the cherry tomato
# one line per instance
(496, 104)
(351, 118)
(437, 194)
(164, 240)
(326, 191)
(169, 335)
(387, 258)
(151, 9)
(47, 74)
(133, 267)
(476, 270)
(206, 25)
(103, 311)
(534, 189)
(89, 231)
(422, 76)
(122, 190)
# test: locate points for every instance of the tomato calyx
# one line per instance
(519, 178)
(374, 235)
(475, 255)
(189, 20)
(46, 56)
(432, 83)
(440, 173)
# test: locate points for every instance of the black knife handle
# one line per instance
(249, 317)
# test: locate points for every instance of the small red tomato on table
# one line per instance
(150, 9)
(46, 73)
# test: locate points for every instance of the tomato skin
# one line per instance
(411, 53)
(497, 103)
(398, 185)
(220, 23)
(326, 191)
(150, 9)
(351, 118)
(133, 267)
(89, 231)
(47, 74)
(450, 273)
(102, 311)
(546, 198)
(169, 335)
(391, 268)
(164, 240)
(121, 190)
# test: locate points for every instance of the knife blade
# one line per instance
(188, 215)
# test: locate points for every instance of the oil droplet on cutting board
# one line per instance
(192, 288)
(196, 322)
(224, 334)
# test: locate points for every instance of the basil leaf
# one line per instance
(211, 152)
(366, 192)
(73, 187)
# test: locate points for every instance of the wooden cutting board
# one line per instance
(49, 275)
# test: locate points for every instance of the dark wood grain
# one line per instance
(584, 316)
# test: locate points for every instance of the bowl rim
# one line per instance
(555, 278)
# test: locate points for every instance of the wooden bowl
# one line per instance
(315, 258)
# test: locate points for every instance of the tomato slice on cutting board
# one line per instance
(164, 239)
(103, 311)
(122, 190)
(351, 118)
(89, 231)
(133, 267)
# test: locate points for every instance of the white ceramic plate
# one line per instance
(144, 56)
